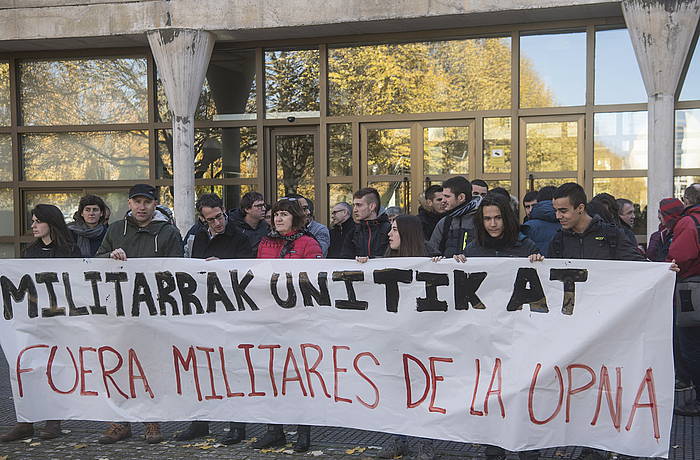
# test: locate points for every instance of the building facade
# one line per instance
(322, 98)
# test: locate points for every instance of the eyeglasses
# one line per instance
(259, 206)
(339, 210)
(220, 216)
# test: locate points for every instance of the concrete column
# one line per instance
(182, 57)
(661, 33)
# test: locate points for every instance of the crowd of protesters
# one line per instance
(458, 219)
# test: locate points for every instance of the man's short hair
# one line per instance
(309, 203)
(209, 200)
(573, 191)
(250, 198)
(347, 206)
(546, 193)
(431, 191)
(500, 191)
(530, 196)
(371, 193)
(692, 194)
(480, 183)
(621, 202)
(458, 185)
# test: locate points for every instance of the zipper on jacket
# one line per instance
(369, 240)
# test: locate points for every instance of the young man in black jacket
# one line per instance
(432, 210)
(370, 237)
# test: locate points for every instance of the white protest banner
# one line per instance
(494, 351)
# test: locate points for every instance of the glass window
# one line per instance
(116, 201)
(617, 76)
(394, 193)
(83, 91)
(7, 251)
(291, 83)
(552, 146)
(232, 194)
(632, 188)
(553, 70)
(5, 157)
(446, 150)
(506, 184)
(229, 88)
(620, 141)
(389, 151)
(691, 84)
(680, 183)
(7, 213)
(338, 193)
(340, 150)
(439, 76)
(295, 164)
(497, 145)
(110, 155)
(67, 202)
(5, 95)
(687, 151)
(551, 181)
(219, 153)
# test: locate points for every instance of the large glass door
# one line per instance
(294, 159)
(551, 151)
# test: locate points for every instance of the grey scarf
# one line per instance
(85, 234)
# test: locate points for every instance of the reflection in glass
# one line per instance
(552, 181)
(500, 183)
(632, 188)
(340, 150)
(553, 70)
(446, 150)
(5, 94)
(118, 202)
(617, 76)
(109, 155)
(687, 149)
(83, 91)
(67, 202)
(389, 151)
(229, 88)
(439, 76)
(394, 193)
(7, 212)
(620, 140)
(7, 251)
(691, 84)
(552, 146)
(219, 153)
(291, 83)
(680, 183)
(338, 193)
(5, 157)
(497, 146)
(295, 164)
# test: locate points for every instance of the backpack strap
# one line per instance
(697, 225)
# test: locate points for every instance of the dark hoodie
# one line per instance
(428, 220)
(338, 234)
(542, 225)
(454, 231)
(369, 238)
(159, 238)
(254, 235)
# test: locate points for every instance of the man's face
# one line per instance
(215, 219)
(257, 211)
(339, 214)
(567, 215)
(627, 214)
(450, 200)
(362, 208)
(478, 190)
(528, 206)
(437, 204)
(305, 207)
(142, 209)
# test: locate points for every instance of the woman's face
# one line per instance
(493, 221)
(91, 215)
(40, 229)
(394, 238)
(283, 221)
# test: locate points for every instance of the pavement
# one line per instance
(79, 441)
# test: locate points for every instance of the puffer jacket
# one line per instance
(159, 238)
(369, 238)
(305, 247)
(524, 247)
(685, 247)
(454, 231)
(542, 225)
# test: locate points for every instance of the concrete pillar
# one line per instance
(182, 57)
(661, 33)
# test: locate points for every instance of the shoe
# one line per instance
(690, 408)
(19, 431)
(397, 448)
(425, 450)
(303, 441)
(51, 430)
(115, 432)
(235, 434)
(273, 437)
(682, 385)
(195, 430)
(153, 434)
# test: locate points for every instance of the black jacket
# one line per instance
(522, 248)
(39, 250)
(254, 235)
(368, 238)
(338, 234)
(428, 220)
(600, 241)
(231, 244)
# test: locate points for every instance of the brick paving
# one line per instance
(80, 441)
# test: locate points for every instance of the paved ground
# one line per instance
(80, 441)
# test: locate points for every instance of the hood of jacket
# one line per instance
(544, 210)
(159, 221)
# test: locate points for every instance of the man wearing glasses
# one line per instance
(250, 219)
(341, 226)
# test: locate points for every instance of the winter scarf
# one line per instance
(290, 239)
(85, 234)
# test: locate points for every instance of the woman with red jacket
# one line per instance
(288, 240)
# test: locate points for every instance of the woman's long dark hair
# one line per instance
(510, 223)
(412, 238)
(61, 237)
